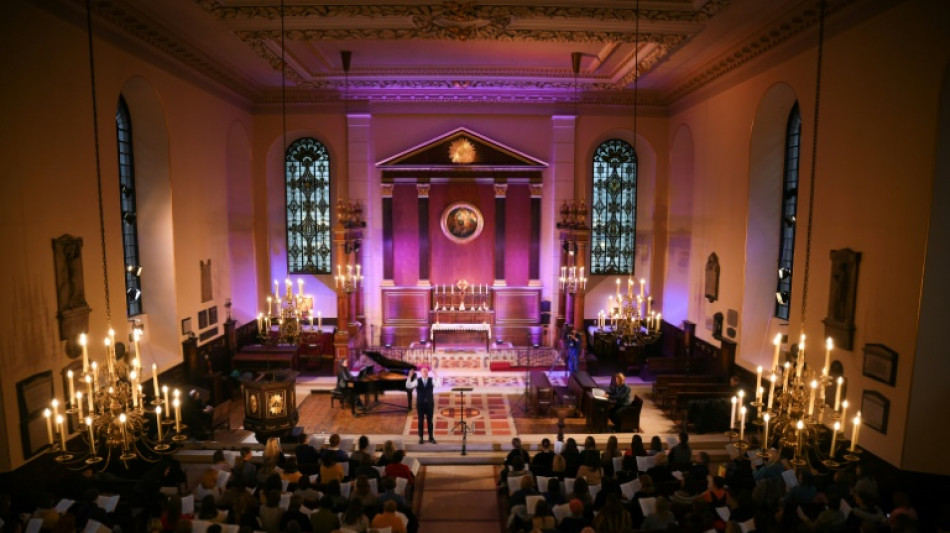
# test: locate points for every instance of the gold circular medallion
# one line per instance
(462, 151)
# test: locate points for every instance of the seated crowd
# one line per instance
(574, 489)
(317, 490)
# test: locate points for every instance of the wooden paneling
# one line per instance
(517, 306)
(405, 306)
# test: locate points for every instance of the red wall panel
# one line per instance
(405, 235)
(518, 235)
(451, 261)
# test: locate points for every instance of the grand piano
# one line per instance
(369, 382)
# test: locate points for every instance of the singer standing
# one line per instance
(425, 399)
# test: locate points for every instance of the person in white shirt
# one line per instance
(425, 400)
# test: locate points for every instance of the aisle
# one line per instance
(459, 498)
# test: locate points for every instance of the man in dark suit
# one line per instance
(425, 399)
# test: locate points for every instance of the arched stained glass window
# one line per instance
(307, 174)
(786, 252)
(614, 208)
(127, 207)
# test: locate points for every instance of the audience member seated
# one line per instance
(366, 469)
(45, 511)
(398, 469)
(197, 414)
(543, 520)
(307, 456)
(647, 490)
(542, 461)
(219, 462)
(388, 493)
(363, 491)
(208, 510)
(700, 466)
(389, 518)
(553, 495)
(656, 446)
(582, 492)
(309, 495)
(661, 519)
(612, 517)
(590, 449)
(386, 457)
(243, 511)
(330, 469)
(576, 521)
(520, 496)
(517, 468)
(333, 448)
(244, 467)
(572, 457)
(290, 473)
(663, 476)
(86, 509)
(340, 503)
(558, 466)
(611, 450)
(681, 454)
(353, 518)
(294, 514)
(628, 469)
(636, 448)
(591, 470)
(324, 520)
(517, 452)
(362, 451)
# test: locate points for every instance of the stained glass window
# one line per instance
(307, 174)
(130, 228)
(793, 136)
(614, 208)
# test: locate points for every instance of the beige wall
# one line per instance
(875, 173)
(49, 179)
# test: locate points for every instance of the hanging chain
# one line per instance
(814, 159)
(283, 86)
(95, 129)
(636, 95)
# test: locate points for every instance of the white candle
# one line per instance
(811, 398)
(771, 390)
(85, 353)
(89, 393)
(177, 406)
(122, 419)
(62, 431)
(136, 335)
(72, 390)
(778, 343)
(838, 393)
(270, 303)
(656, 323)
(49, 424)
(785, 377)
(732, 413)
(765, 436)
(834, 439)
(854, 432)
(758, 384)
(300, 287)
(829, 344)
(135, 397)
(165, 393)
(92, 436)
(79, 403)
(55, 404)
(158, 421)
(801, 357)
(320, 320)
(618, 289)
(742, 411)
(155, 379)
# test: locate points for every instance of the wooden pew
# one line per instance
(675, 389)
(663, 381)
(656, 366)
(542, 393)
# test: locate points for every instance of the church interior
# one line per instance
(281, 211)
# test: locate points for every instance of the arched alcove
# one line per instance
(682, 176)
(244, 289)
(155, 224)
(597, 294)
(766, 166)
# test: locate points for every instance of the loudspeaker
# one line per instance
(545, 306)
(546, 318)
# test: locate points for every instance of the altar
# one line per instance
(460, 334)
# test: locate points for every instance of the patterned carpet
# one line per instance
(485, 415)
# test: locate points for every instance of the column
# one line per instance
(387, 193)
(501, 191)
(534, 257)
(423, 205)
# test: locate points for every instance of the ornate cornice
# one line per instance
(759, 44)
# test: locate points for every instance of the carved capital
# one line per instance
(422, 189)
(536, 190)
(501, 190)
(386, 190)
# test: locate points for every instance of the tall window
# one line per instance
(786, 252)
(130, 229)
(307, 174)
(614, 208)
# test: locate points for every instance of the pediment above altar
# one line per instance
(460, 149)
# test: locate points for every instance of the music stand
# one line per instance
(462, 425)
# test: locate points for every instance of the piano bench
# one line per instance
(338, 395)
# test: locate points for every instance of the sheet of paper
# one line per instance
(671, 441)
(188, 504)
(630, 488)
(790, 479)
(723, 512)
(647, 505)
(747, 526)
(531, 502)
(560, 512)
(108, 502)
(645, 463)
(34, 525)
(845, 507)
(64, 505)
(223, 478)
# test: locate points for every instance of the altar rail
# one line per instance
(498, 358)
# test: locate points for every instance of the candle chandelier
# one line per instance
(796, 423)
(631, 316)
(110, 411)
(289, 312)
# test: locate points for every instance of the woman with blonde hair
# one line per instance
(386, 457)
(208, 485)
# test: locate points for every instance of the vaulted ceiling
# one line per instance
(461, 51)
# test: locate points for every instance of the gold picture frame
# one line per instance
(462, 222)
